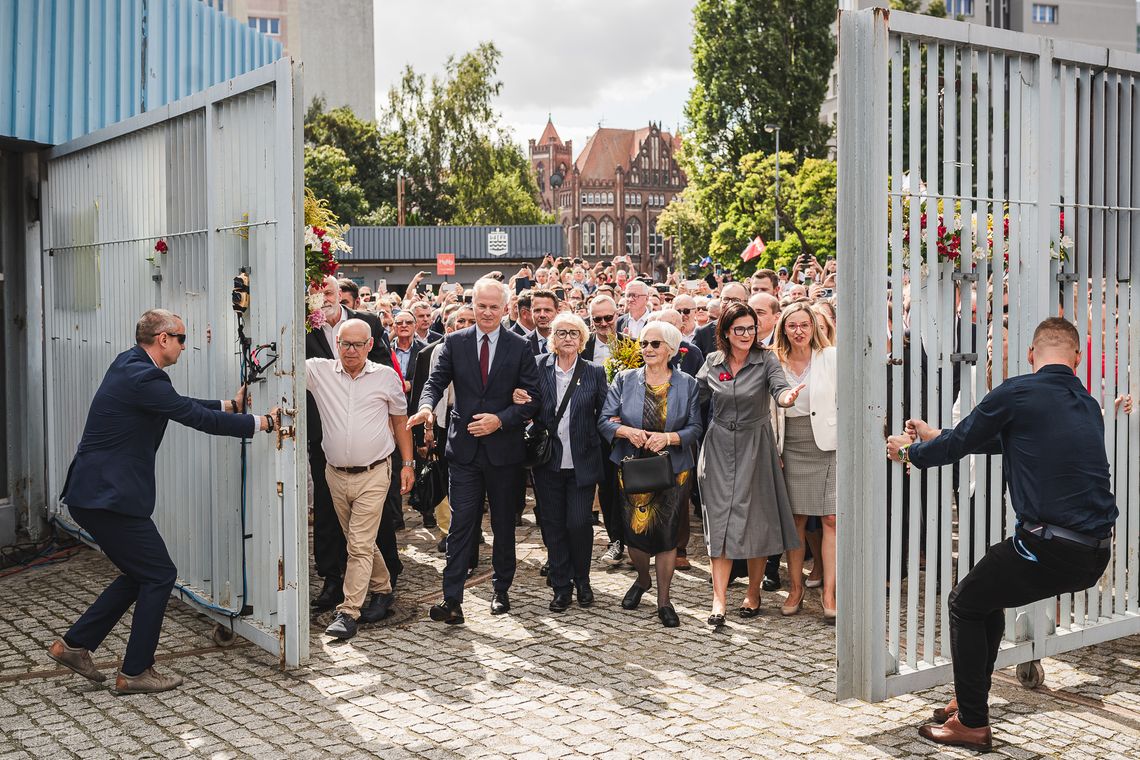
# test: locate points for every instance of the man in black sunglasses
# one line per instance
(603, 320)
(110, 493)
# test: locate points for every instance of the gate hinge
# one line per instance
(958, 276)
(966, 358)
(1066, 277)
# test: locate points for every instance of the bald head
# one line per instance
(668, 316)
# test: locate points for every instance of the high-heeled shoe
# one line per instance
(790, 609)
(829, 616)
(813, 582)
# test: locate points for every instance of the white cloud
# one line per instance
(624, 62)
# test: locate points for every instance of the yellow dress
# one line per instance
(652, 519)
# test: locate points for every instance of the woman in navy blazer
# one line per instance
(655, 408)
(564, 486)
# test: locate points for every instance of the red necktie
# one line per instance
(485, 359)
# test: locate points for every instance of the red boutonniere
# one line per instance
(725, 376)
(684, 350)
(160, 246)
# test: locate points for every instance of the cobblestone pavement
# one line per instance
(601, 682)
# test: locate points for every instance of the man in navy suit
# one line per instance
(484, 441)
(110, 492)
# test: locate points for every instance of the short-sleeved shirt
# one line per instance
(355, 411)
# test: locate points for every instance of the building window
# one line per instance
(606, 238)
(959, 8)
(270, 26)
(609, 199)
(1044, 14)
(656, 242)
(633, 238)
(589, 238)
(637, 201)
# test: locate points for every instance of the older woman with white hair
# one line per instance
(652, 409)
(571, 393)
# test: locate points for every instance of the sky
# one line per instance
(621, 63)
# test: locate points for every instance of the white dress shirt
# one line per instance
(330, 332)
(355, 425)
(561, 388)
(634, 326)
(601, 350)
(494, 341)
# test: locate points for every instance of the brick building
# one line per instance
(608, 199)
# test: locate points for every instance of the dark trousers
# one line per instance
(1004, 578)
(612, 514)
(148, 575)
(567, 518)
(468, 485)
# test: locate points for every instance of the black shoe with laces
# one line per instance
(448, 611)
(342, 627)
(561, 601)
(377, 609)
(500, 603)
(332, 594)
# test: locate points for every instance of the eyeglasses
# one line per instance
(603, 319)
(355, 345)
(798, 328)
(654, 344)
(636, 295)
(404, 323)
(567, 334)
(684, 312)
(744, 330)
(180, 337)
(702, 308)
(731, 299)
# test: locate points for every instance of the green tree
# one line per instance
(682, 221)
(331, 176)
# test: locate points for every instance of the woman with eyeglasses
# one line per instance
(806, 437)
(654, 408)
(747, 513)
(564, 485)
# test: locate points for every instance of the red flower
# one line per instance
(326, 248)
(725, 376)
(160, 246)
(319, 231)
(684, 350)
(329, 267)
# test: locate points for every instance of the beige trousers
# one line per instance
(359, 501)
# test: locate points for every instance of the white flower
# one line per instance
(979, 254)
(315, 301)
(1066, 243)
(311, 239)
(957, 221)
(924, 271)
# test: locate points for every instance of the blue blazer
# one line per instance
(626, 399)
(113, 468)
(586, 400)
(513, 367)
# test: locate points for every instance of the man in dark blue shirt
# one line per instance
(1050, 433)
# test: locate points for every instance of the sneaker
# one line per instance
(150, 681)
(614, 553)
(342, 627)
(78, 659)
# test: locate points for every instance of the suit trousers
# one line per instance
(610, 500)
(329, 552)
(567, 517)
(135, 547)
(359, 502)
(1005, 578)
(468, 485)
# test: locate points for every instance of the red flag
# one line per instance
(754, 249)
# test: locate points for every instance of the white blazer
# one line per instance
(822, 398)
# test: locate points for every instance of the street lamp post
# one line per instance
(770, 128)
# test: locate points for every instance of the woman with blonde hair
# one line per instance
(806, 437)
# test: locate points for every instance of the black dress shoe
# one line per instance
(429, 520)
(771, 584)
(342, 627)
(441, 547)
(633, 597)
(749, 612)
(500, 603)
(544, 571)
(377, 609)
(668, 616)
(332, 594)
(448, 611)
(585, 595)
(561, 601)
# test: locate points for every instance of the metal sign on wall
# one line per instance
(497, 243)
(445, 264)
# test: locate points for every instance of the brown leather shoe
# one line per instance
(78, 659)
(954, 734)
(150, 681)
(942, 714)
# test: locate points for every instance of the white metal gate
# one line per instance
(977, 167)
(217, 178)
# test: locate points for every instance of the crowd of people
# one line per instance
(527, 381)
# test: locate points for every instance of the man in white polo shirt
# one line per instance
(362, 404)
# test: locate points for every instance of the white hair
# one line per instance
(671, 335)
(567, 320)
(602, 299)
(490, 283)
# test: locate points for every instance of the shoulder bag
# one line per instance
(536, 439)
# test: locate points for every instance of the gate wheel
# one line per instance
(225, 637)
(1031, 674)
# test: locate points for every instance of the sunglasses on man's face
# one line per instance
(603, 319)
(654, 344)
(180, 337)
(684, 312)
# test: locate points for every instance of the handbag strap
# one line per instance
(569, 391)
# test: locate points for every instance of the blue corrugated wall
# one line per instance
(69, 67)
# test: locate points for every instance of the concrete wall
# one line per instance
(338, 50)
(1107, 23)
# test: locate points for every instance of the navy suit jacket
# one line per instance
(689, 359)
(513, 367)
(705, 338)
(586, 402)
(113, 468)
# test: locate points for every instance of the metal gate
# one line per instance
(217, 178)
(985, 177)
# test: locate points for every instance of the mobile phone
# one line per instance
(828, 292)
(561, 293)
(808, 282)
(467, 298)
(521, 284)
(661, 287)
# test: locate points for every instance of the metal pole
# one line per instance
(777, 213)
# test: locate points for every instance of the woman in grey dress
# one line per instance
(747, 514)
(806, 438)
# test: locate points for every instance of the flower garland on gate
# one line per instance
(324, 237)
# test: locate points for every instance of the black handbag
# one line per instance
(536, 438)
(646, 472)
(430, 487)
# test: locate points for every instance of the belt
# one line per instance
(1047, 532)
(358, 470)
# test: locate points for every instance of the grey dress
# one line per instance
(747, 512)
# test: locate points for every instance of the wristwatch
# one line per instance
(409, 463)
(268, 423)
